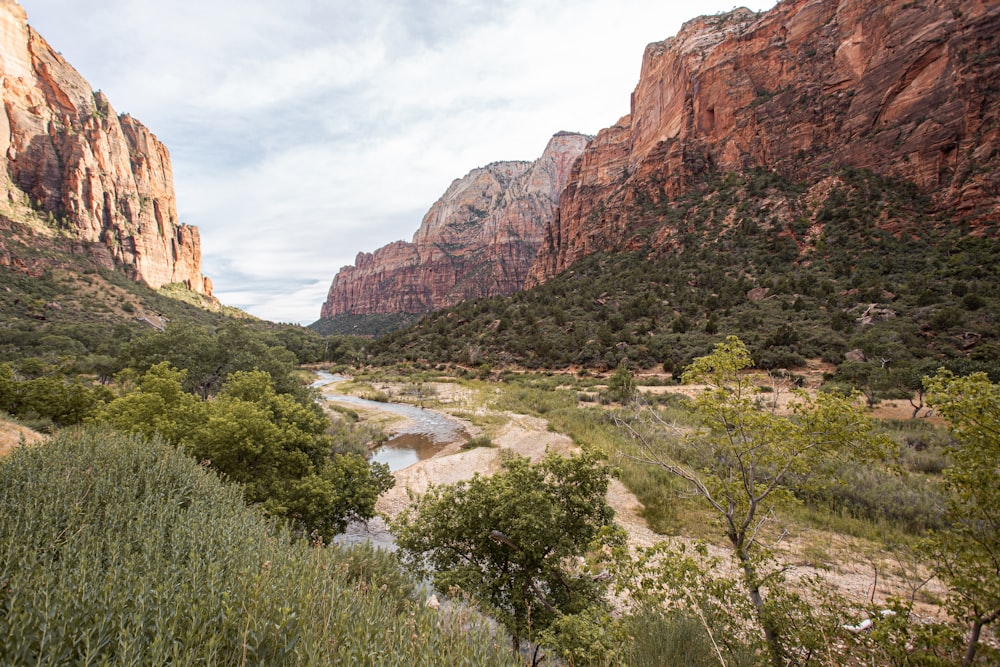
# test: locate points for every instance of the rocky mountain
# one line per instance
(479, 239)
(73, 170)
(904, 89)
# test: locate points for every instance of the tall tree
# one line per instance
(741, 456)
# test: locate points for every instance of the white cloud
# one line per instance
(304, 132)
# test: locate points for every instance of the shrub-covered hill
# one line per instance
(49, 277)
(347, 324)
(120, 551)
(58, 306)
(856, 264)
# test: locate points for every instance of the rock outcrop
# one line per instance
(102, 181)
(905, 89)
(479, 239)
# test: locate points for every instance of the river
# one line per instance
(421, 436)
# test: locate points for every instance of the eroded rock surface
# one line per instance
(905, 89)
(479, 239)
(102, 180)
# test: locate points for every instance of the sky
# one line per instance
(302, 132)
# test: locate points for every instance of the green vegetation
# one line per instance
(509, 541)
(66, 313)
(702, 605)
(364, 325)
(621, 385)
(273, 445)
(739, 460)
(751, 255)
(228, 391)
(48, 402)
(117, 550)
(968, 550)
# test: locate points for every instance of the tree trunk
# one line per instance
(771, 632)
(970, 649)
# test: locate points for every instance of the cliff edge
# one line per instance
(72, 168)
(479, 239)
(904, 89)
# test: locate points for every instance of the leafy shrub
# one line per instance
(121, 551)
(270, 442)
(479, 441)
(49, 401)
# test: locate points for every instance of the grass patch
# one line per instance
(478, 441)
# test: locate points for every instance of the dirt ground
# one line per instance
(521, 435)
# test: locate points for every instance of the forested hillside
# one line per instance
(798, 273)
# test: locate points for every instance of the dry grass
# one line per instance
(11, 435)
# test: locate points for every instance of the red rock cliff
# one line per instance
(99, 178)
(908, 89)
(479, 239)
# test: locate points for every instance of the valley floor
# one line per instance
(851, 566)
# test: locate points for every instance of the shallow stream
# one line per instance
(422, 435)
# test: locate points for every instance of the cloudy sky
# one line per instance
(305, 131)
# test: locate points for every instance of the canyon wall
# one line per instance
(102, 181)
(905, 89)
(479, 239)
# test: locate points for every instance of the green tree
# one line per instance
(271, 443)
(969, 549)
(60, 400)
(158, 406)
(621, 385)
(740, 459)
(871, 378)
(8, 388)
(509, 540)
(210, 356)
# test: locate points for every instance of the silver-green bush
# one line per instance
(115, 550)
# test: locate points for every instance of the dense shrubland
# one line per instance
(230, 396)
(793, 279)
(120, 550)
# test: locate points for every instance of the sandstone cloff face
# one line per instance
(903, 89)
(479, 239)
(65, 152)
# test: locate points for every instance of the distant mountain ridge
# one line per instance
(74, 171)
(479, 239)
(905, 89)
